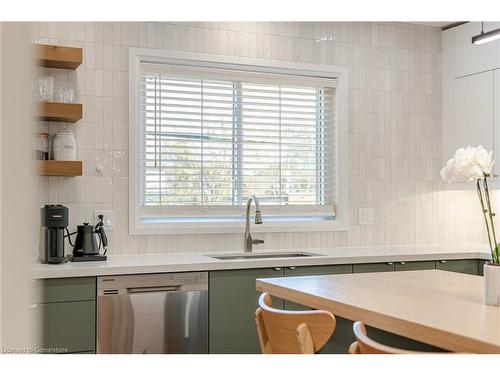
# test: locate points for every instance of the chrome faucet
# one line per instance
(258, 220)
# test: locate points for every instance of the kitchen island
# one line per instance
(442, 309)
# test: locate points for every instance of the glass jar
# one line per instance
(41, 146)
(64, 146)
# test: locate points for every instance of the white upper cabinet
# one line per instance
(473, 114)
(471, 58)
(471, 91)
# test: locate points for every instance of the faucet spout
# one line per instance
(249, 242)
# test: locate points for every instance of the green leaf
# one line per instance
(496, 254)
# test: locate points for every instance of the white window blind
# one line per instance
(211, 138)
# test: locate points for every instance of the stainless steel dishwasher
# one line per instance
(154, 313)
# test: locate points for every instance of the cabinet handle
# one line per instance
(277, 268)
(402, 262)
(292, 267)
(442, 261)
(390, 263)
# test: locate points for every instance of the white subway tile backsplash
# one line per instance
(394, 143)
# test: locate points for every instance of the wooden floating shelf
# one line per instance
(63, 112)
(58, 57)
(68, 168)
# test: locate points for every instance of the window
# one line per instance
(209, 135)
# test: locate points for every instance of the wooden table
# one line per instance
(440, 308)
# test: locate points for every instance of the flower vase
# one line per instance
(492, 284)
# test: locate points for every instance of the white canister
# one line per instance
(64, 147)
(492, 284)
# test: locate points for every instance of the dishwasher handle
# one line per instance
(152, 289)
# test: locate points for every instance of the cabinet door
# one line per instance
(342, 336)
(473, 109)
(496, 116)
(69, 289)
(373, 267)
(318, 270)
(69, 327)
(414, 266)
(68, 308)
(469, 266)
(233, 300)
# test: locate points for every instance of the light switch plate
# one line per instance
(366, 216)
(109, 218)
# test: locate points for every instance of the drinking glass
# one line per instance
(46, 88)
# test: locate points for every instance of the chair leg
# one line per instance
(304, 339)
(261, 331)
(354, 348)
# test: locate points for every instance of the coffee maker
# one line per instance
(54, 221)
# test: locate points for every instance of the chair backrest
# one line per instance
(365, 345)
(292, 332)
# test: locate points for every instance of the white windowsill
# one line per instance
(206, 225)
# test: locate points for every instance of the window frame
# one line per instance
(308, 222)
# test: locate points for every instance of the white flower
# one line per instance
(468, 164)
(484, 159)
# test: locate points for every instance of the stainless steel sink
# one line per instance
(262, 256)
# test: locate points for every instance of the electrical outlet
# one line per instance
(109, 218)
(366, 216)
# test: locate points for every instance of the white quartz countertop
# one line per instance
(183, 262)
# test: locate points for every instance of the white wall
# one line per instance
(17, 189)
(394, 126)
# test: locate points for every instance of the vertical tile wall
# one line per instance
(394, 126)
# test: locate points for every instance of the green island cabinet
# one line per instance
(68, 315)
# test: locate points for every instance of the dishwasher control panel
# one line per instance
(110, 285)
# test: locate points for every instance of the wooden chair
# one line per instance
(365, 345)
(292, 332)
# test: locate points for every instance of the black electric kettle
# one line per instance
(85, 247)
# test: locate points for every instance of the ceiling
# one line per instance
(439, 24)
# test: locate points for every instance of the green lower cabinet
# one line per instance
(68, 315)
(68, 307)
(481, 264)
(69, 289)
(373, 267)
(469, 266)
(69, 327)
(318, 270)
(233, 300)
(415, 266)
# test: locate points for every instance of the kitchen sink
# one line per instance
(262, 256)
